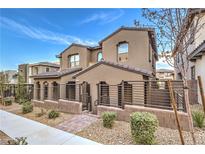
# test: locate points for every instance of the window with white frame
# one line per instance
(74, 60)
(122, 50)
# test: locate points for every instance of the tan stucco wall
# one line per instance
(106, 73)
(83, 52)
(93, 56)
(166, 117)
(138, 48)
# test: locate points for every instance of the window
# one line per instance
(47, 69)
(99, 56)
(74, 60)
(193, 72)
(122, 50)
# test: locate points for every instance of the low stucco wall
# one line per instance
(60, 105)
(166, 118)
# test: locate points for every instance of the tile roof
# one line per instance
(116, 65)
(57, 74)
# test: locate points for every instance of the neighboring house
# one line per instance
(28, 70)
(41, 67)
(126, 54)
(10, 76)
(23, 71)
(195, 51)
(165, 74)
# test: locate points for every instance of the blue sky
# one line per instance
(33, 35)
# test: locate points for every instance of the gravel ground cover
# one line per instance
(121, 134)
(4, 138)
(16, 109)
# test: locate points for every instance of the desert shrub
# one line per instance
(108, 119)
(53, 114)
(143, 126)
(18, 141)
(27, 107)
(198, 118)
(21, 101)
(7, 101)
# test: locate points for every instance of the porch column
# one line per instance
(42, 91)
(62, 91)
(94, 94)
(35, 91)
(50, 91)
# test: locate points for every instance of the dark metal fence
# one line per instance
(144, 93)
(15, 90)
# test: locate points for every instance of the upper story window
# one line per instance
(47, 69)
(191, 33)
(35, 70)
(99, 56)
(74, 60)
(193, 72)
(122, 50)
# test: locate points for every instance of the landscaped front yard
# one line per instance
(36, 114)
(120, 133)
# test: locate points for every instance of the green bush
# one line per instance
(21, 101)
(53, 114)
(143, 126)
(18, 141)
(7, 101)
(198, 118)
(108, 119)
(27, 107)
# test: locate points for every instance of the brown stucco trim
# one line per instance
(115, 65)
(73, 44)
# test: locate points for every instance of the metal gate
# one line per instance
(85, 97)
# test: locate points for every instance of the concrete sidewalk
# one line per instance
(37, 133)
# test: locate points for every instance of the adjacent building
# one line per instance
(195, 50)
(165, 74)
(129, 53)
(28, 70)
(10, 76)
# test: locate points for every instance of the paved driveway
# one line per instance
(37, 133)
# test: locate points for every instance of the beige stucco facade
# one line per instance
(139, 48)
(140, 62)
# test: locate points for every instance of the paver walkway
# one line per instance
(77, 123)
(37, 133)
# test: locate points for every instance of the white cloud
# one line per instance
(162, 64)
(104, 17)
(42, 34)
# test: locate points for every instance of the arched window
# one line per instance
(99, 56)
(122, 50)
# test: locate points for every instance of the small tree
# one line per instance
(21, 90)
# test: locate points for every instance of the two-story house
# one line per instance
(127, 54)
(195, 50)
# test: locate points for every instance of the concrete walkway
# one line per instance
(37, 133)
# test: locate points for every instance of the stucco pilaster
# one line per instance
(63, 91)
